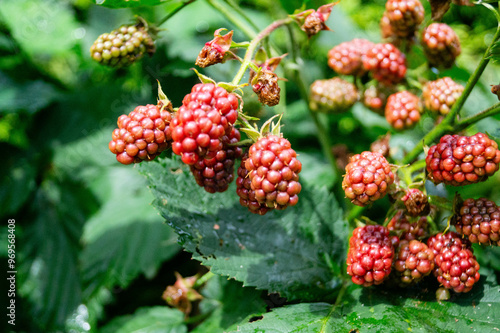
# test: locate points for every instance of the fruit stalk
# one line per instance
(466, 122)
(448, 124)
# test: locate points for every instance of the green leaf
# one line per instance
(223, 301)
(126, 237)
(158, 319)
(377, 310)
(297, 252)
(132, 3)
(52, 243)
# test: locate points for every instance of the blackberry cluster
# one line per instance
(479, 220)
(404, 16)
(332, 96)
(413, 261)
(370, 255)
(403, 110)
(462, 160)
(407, 227)
(206, 115)
(122, 46)
(386, 63)
(273, 170)
(441, 45)
(216, 173)
(245, 192)
(440, 95)
(347, 58)
(456, 266)
(141, 135)
(368, 177)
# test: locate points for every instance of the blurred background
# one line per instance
(89, 245)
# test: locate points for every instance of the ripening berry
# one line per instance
(440, 95)
(332, 96)
(441, 45)
(386, 63)
(347, 57)
(479, 221)
(403, 110)
(413, 261)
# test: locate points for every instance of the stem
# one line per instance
(450, 119)
(175, 11)
(203, 279)
(253, 46)
(491, 111)
(228, 12)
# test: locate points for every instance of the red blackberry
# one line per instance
(386, 63)
(440, 95)
(142, 135)
(403, 110)
(206, 114)
(274, 172)
(370, 255)
(479, 220)
(408, 228)
(441, 45)
(346, 58)
(456, 266)
(404, 16)
(245, 192)
(123, 46)
(416, 202)
(216, 173)
(413, 261)
(462, 160)
(332, 96)
(368, 176)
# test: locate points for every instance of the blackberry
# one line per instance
(462, 160)
(346, 58)
(441, 45)
(245, 192)
(370, 255)
(332, 96)
(215, 174)
(274, 172)
(123, 46)
(440, 95)
(413, 261)
(141, 135)
(404, 16)
(479, 220)
(375, 98)
(386, 63)
(206, 114)
(368, 177)
(403, 110)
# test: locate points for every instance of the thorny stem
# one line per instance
(491, 111)
(175, 11)
(447, 125)
(253, 46)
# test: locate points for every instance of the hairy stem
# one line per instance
(466, 122)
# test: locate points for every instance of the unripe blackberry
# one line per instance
(403, 110)
(462, 160)
(142, 135)
(479, 220)
(407, 227)
(440, 95)
(386, 63)
(370, 255)
(441, 45)
(375, 98)
(274, 172)
(206, 114)
(332, 96)
(123, 46)
(368, 176)
(416, 202)
(245, 192)
(413, 261)
(216, 173)
(347, 58)
(404, 16)
(456, 266)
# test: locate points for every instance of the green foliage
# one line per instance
(157, 319)
(132, 3)
(298, 252)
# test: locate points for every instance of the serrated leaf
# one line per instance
(132, 3)
(297, 252)
(377, 310)
(223, 301)
(61, 207)
(158, 319)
